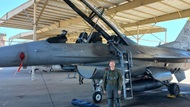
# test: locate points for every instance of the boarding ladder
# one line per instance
(126, 65)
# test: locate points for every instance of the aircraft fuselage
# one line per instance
(44, 53)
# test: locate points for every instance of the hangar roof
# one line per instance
(54, 16)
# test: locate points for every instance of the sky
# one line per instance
(173, 26)
(6, 6)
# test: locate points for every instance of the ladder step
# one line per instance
(126, 70)
(128, 88)
(126, 62)
(129, 98)
(127, 80)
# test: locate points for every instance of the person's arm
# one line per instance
(120, 81)
(104, 80)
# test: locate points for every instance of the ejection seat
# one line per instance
(82, 37)
(95, 38)
(59, 38)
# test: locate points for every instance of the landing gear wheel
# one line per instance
(51, 70)
(97, 97)
(174, 89)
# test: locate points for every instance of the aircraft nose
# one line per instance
(12, 55)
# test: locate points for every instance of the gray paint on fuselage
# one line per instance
(44, 53)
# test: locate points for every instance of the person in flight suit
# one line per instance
(112, 84)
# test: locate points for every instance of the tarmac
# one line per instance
(56, 90)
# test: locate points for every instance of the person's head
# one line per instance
(112, 65)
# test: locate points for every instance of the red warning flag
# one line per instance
(22, 56)
(20, 66)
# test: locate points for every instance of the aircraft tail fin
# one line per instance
(184, 35)
(183, 39)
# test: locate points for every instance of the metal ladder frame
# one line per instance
(126, 65)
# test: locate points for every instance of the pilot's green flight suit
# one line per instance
(112, 83)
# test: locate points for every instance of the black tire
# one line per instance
(97, 97)
(174, 89)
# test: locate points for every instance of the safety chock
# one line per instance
(171, 96)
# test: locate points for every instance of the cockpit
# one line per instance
(94, 37)
(103, 25)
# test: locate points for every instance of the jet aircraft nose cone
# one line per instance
(12, 55)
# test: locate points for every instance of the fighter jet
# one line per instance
(143, 68)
